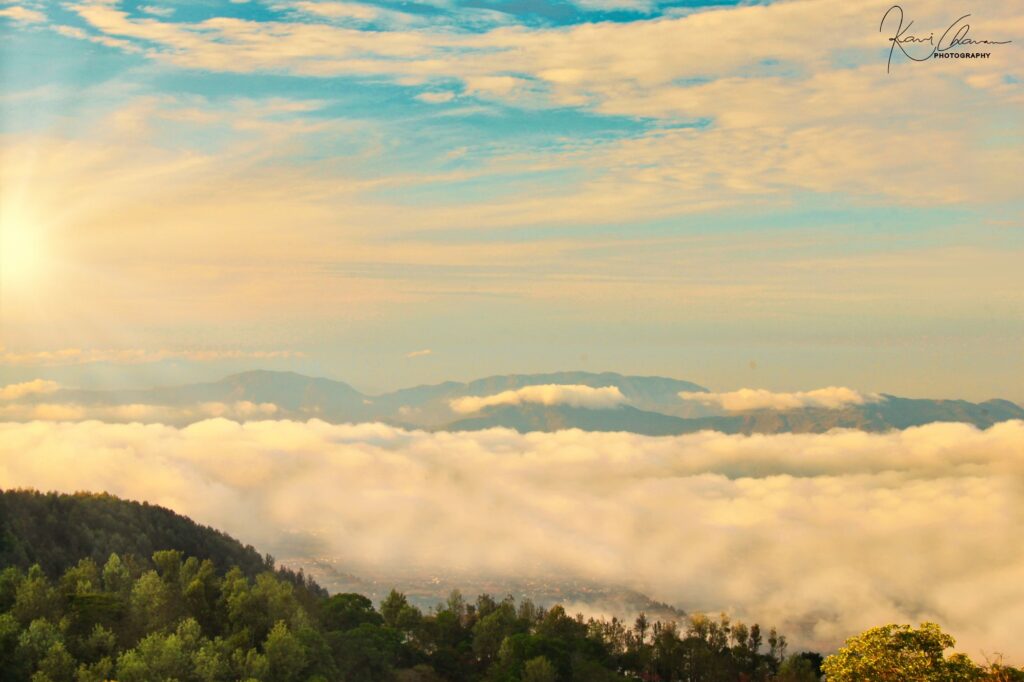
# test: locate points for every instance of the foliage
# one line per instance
(56, 531)
(178, 618)
(900, 653)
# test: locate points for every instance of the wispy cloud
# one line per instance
(357, 13)
(80, 356)
(25, 388)
(239, 410)
(23, 14)
(436, 97)
(832, 398)
(548, 394)
(156, 10)
(419, 353)
(743, 138)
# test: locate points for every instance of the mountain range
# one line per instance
(650, 405)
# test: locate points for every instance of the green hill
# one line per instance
(56, 531)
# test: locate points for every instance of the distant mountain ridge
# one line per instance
(653, 406)
(526, 418)
(892, 413)
(303, 397)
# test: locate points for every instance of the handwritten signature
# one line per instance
(954, 36)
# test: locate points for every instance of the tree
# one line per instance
(457, 605)
(116, 577)
(163, 657)
(35, 597)
(392, 606)
(366, 653)
(154, 605)
(346, 611)
(539, 670)
(797, 668)
(39, 641)
(11, 660)
(490, 631)
(899, 653)
(640, 627)
(286, 657)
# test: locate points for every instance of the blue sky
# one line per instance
(725, 193)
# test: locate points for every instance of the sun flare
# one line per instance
(22, 249)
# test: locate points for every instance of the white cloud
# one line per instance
(356, 12)
(822, 535)
(36, 386)
(348, 10)
(419, 353)
(435, 97)
(243, 409)
(644, 6)
(156, 10)
(546, 394)
(23, 14)
(764, 127)
(832, 398)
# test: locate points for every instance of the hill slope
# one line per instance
(56, 531)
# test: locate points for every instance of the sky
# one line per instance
(392, 193)
(750, 196)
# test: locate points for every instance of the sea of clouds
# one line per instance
(821, 535)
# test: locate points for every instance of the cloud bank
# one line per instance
(822, 535)
(831, 398)
(546, 394)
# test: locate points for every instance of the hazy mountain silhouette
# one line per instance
(526, 418)
(890, 413)
(653, 405)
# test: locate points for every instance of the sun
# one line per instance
(22, 250)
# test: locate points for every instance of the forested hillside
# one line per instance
(184, 620)
(57, 531)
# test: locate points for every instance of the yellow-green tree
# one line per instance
(900, 653)
(539, 670)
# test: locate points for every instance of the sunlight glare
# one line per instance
(21, 249)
